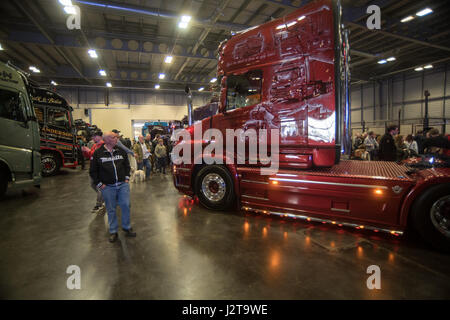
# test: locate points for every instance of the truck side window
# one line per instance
(244, 90)
(57, 118)
(11, 106)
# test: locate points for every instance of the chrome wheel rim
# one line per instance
(48, 165)
(213, 187)
(440, 215)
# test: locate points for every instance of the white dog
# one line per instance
(136, 175)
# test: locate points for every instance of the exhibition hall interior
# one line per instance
(224, 150)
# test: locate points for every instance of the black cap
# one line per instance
(97, 133)
(116, 131)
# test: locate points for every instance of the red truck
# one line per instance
(297, 82)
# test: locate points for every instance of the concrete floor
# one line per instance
(183, 251)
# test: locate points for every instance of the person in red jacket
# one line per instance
(97, 137)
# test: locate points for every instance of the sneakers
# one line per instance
(113, 237)
(102, 209)
(99, 209)
(129, 233)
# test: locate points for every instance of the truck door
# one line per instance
(242, 108)
(16, 138)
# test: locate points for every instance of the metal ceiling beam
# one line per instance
(203, 35)
(397, 36)
(140, 11)
(68, 41)
(26, 12)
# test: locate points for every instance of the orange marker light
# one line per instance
(274, 182)
(378, 191)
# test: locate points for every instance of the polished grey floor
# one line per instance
(183, 251)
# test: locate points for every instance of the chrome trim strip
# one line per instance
(340, 210)
(347, 224)
(251, 181)
(332, 183)
(183, 169)
(183, 186)
(257, 198)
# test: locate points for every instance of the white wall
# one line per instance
(403, 92)
(120, 116)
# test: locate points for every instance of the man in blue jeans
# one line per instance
(110, 171)
(143, 154)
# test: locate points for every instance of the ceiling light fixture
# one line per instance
(92, 53)
(162, 76)
(67, 3)
(201, 89)
(1, 48)
(157, 86)
(408, 18)
(390, 59)
(183, 24)
(418, 69)
(383, 61)
(53, 83)
(213, 80)
(70, 10)
(108, 84)
(424, 12)
(168, 59)
(102, 73)
(34, 69)
(428, 66)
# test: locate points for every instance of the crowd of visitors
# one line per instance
(395, 147)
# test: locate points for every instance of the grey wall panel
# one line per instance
(434, 109)
(413, 89)
(356, 99)
(356, 116)
(412, 111)
(368, 115)
(117, 97)
(434, 83)
(180, 100)
(398, 91)
(368, 96)
(395, 110)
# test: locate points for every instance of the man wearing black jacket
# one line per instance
(388, 150)
(110, 170)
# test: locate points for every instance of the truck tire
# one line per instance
(431, 216)
(50, 164)
(3, 182)
(214, 187)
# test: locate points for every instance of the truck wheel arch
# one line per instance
(4, 166)
(231, 169)
(413, 195)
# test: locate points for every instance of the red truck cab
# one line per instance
(291, 75)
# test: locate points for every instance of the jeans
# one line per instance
(148, 167)
(117, 195)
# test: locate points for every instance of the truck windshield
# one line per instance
(58, 118)
(244, 90)
(11, 105)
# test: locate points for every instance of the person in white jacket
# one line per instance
(371, 145)
(413, 148)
